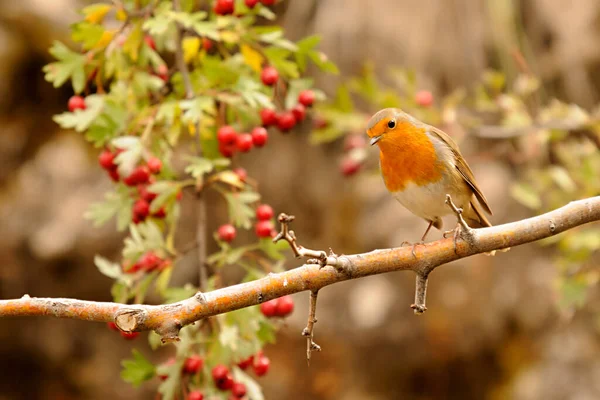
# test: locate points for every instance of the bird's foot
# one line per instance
(414, 246)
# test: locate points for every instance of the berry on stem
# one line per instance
(264, 212)
(76, 102)
(193, 364)
(129, 335)
(107, 159)
(285, 306)
(219, 372)
(150, 42)
(306, 98)
(269, 76)
(149, 261)
(299, 112)
(226, 233)
(154, 165)
(246, 363)
(224, 7)
(349, 167)
(141, 209)
(112, 326)
(261, 365)
(207, 44)
(160, 213)
(268, 116)
(139, 175)
(424, 98)
(259, 136)
(286, 121)
(263, 229)
(145, 194)
(226, 135)
(227, 150)
(114, 175)
(238, 390)
(250, 3)
(244, 142)
(269, 308)
(195, 395)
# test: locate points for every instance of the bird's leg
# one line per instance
(462, 229)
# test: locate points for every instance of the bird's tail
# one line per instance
(475, 216)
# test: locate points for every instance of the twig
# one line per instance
(420, 293)
(308, 332)
(179, 60)
(168, 319)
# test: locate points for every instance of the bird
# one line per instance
(421, 165)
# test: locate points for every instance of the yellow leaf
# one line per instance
(230, 37)
(96, 12)
(121, 15)
(133, 42)
(191, 47)
(252, 57)
(192, 128)
(105, 39)
(227, 177)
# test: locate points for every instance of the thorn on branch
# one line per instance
(308, 332)
(420, 294)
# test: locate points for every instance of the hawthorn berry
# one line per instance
(259, 136)
(114, 175)
(162, 71)
(226, 135)
(149, 261)
(154, 165)
(129, 335)
(424, 98)
(227, 150)
(285, 306)
(195, 395)
(247, 362)
(264, 212)
(354, 142)
(299, 112)
(286, 121)
(306, 98)
(76, 102)
(107, 160)
(140, 174)
(141, 209)
(238, 389)
(207, 44)
(112, 326)
(160, 213)
(244, 142)
(219, 372)
(145, 194)
(250, 3)
(320, 123)
(267, 2)
(241, 173)
(150, 42)
(269, 308)
(269, 76)
(349, 167)
(226, 233)
(261, 365)
(225, 383)
(224, 7)
(193, 364)
(263, 229)
(268, 116)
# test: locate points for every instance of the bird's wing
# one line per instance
(463, 167)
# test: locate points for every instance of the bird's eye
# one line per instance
(392, 123)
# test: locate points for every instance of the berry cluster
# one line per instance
(147, 262)
(281, 307)
(263, 227)
(260, 364)
(227, 7)
(288, 119)
(231, 141)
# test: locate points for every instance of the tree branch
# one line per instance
(167, 319)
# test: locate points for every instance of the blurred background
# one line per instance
(493, 330)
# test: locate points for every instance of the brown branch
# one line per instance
(179, 60)
(167, 319)
(308, 332)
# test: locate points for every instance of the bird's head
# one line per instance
(392, 125)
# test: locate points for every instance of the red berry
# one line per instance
(154, 165)
(238, 389)
(195, 395)
(163, 72)
(193, 364)
(226, 233)
(246, 363)
(167, 363)
(259, 136)
(299, 112)
(320, 123)
(139, 175)
(269, 308)
(226, 135)
(179, 195)
(145, 194)
(263, 229)
(349, 167)
(129, 335)
(219, 372)
(107, 159)
(225, 383)
(141, 209)
(424, 98)
(149, 261)
(207, 44)
(269, 76)
(264, 212)
(250, 3)
(268, 2)
(112, 326)
(244, 142)
(150, 42)
(114, 175)
(160, 213)
(261, 365)
(227, 150)
(286, 121)
(285, 306)
(268, 117)
(306, 98)
(354, 142)
(241, 173)
(224, 7)
(76, 103)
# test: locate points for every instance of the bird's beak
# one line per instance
(375, 139)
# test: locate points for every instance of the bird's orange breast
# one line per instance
(408, 155)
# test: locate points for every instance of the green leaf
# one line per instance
(274, 250)
(137, 370)
(154, 340)
(266, 332)
(87, 33)
(80, 120)
(161, 20)
(251, 92)
(240, 213)
(117, 203)
(162, 282)
(278, 57)
(167, 193)
(120, 291)
(142, 238)
(107, 268)
(194, 109)
(70, 64)
(526, 195)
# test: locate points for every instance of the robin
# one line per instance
(421, 165)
